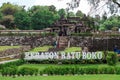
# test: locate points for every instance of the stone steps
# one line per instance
(63, 41)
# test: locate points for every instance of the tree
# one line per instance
(62, 13)
(8, 21)
(112, 5)
(71, 14)
(52, 8)
(22, 20)
(35, 9)
(79, 14)
(110, 23)
(9, 9)
(1, 15)
(43, 18)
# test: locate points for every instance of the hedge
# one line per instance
(112, 58)
(80, 70)
(14, 63)
(66, 61)
(27, 71)
(72, 70)
(11, 71)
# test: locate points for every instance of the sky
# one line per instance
(84, 7)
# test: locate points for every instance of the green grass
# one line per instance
(69, 77)
(3, 48)
(46, 48)
(73, 49)
(40, 49)
(43, 66)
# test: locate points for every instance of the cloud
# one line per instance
(84, 7)
(57, 3)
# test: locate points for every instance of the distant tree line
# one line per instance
(13, 16)
(37, 17)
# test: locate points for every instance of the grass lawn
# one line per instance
(73, 49)
(2, 48)
(40, 49)
(46, 48)
(79, 77)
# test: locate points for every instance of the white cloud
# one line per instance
(84, 7)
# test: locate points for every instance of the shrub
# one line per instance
(91, 70)
(80, 70)
(12, 70)
(106, 70)
(117, 69)
(27, 71)
(66, 61)
(112, 58)
(14, 63)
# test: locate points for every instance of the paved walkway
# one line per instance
(2, 62)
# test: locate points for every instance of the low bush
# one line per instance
(14, 63)
(117, 69)
(65, 61)
(112, 58)
(11, 71)
(27, 71)
(80, 70)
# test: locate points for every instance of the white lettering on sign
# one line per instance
(62, 55)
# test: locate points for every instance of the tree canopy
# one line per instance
(112, 5)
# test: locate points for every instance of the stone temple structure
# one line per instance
(66, 26)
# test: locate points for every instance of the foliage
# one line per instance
(79, 14)
(14, 63)
(8, 21)
(1, 16)
(9, 9)
(22, 20)
(43, 18)
(71, 14)
(66, 61)
(112, 5)
(79, 70)
(112, 58)
(52, 8)
(110, 23)
(62, 13)
(27, 71)
(11, 70)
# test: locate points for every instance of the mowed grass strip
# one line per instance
(73, 49)
(69, 77)
(41, 49)
(3, 48)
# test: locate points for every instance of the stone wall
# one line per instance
(15, 52)
(26, 40)
(94, 44)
